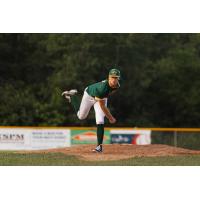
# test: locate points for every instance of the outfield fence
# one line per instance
(15, 137)
(178, 137)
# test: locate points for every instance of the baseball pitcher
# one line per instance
(96, 95)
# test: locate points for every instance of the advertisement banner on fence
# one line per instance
(88, 137)
(14, 138)
(30, 138)
(139, 137)
(50, 138)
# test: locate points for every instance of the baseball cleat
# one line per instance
(68, 94)
(98, 149)
(68, 98)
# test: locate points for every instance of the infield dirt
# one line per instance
(120, 151)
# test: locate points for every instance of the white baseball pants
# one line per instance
(86, 104)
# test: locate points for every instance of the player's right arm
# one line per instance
(106, 111)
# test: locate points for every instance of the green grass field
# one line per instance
(59, 159)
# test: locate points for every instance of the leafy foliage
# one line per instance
(160, 77)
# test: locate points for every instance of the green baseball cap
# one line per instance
(114, 73)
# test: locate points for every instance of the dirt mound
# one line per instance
(121, 151)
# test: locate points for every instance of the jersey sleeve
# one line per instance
(100, 92)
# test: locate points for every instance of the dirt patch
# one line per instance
(120, 151)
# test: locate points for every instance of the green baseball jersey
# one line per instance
(100, 90)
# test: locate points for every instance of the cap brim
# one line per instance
(114, 76)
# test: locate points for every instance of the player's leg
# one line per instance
(100, 116)
(73, 98)
(86, 103)
(81, 107)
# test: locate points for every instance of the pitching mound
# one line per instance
(120, 151)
